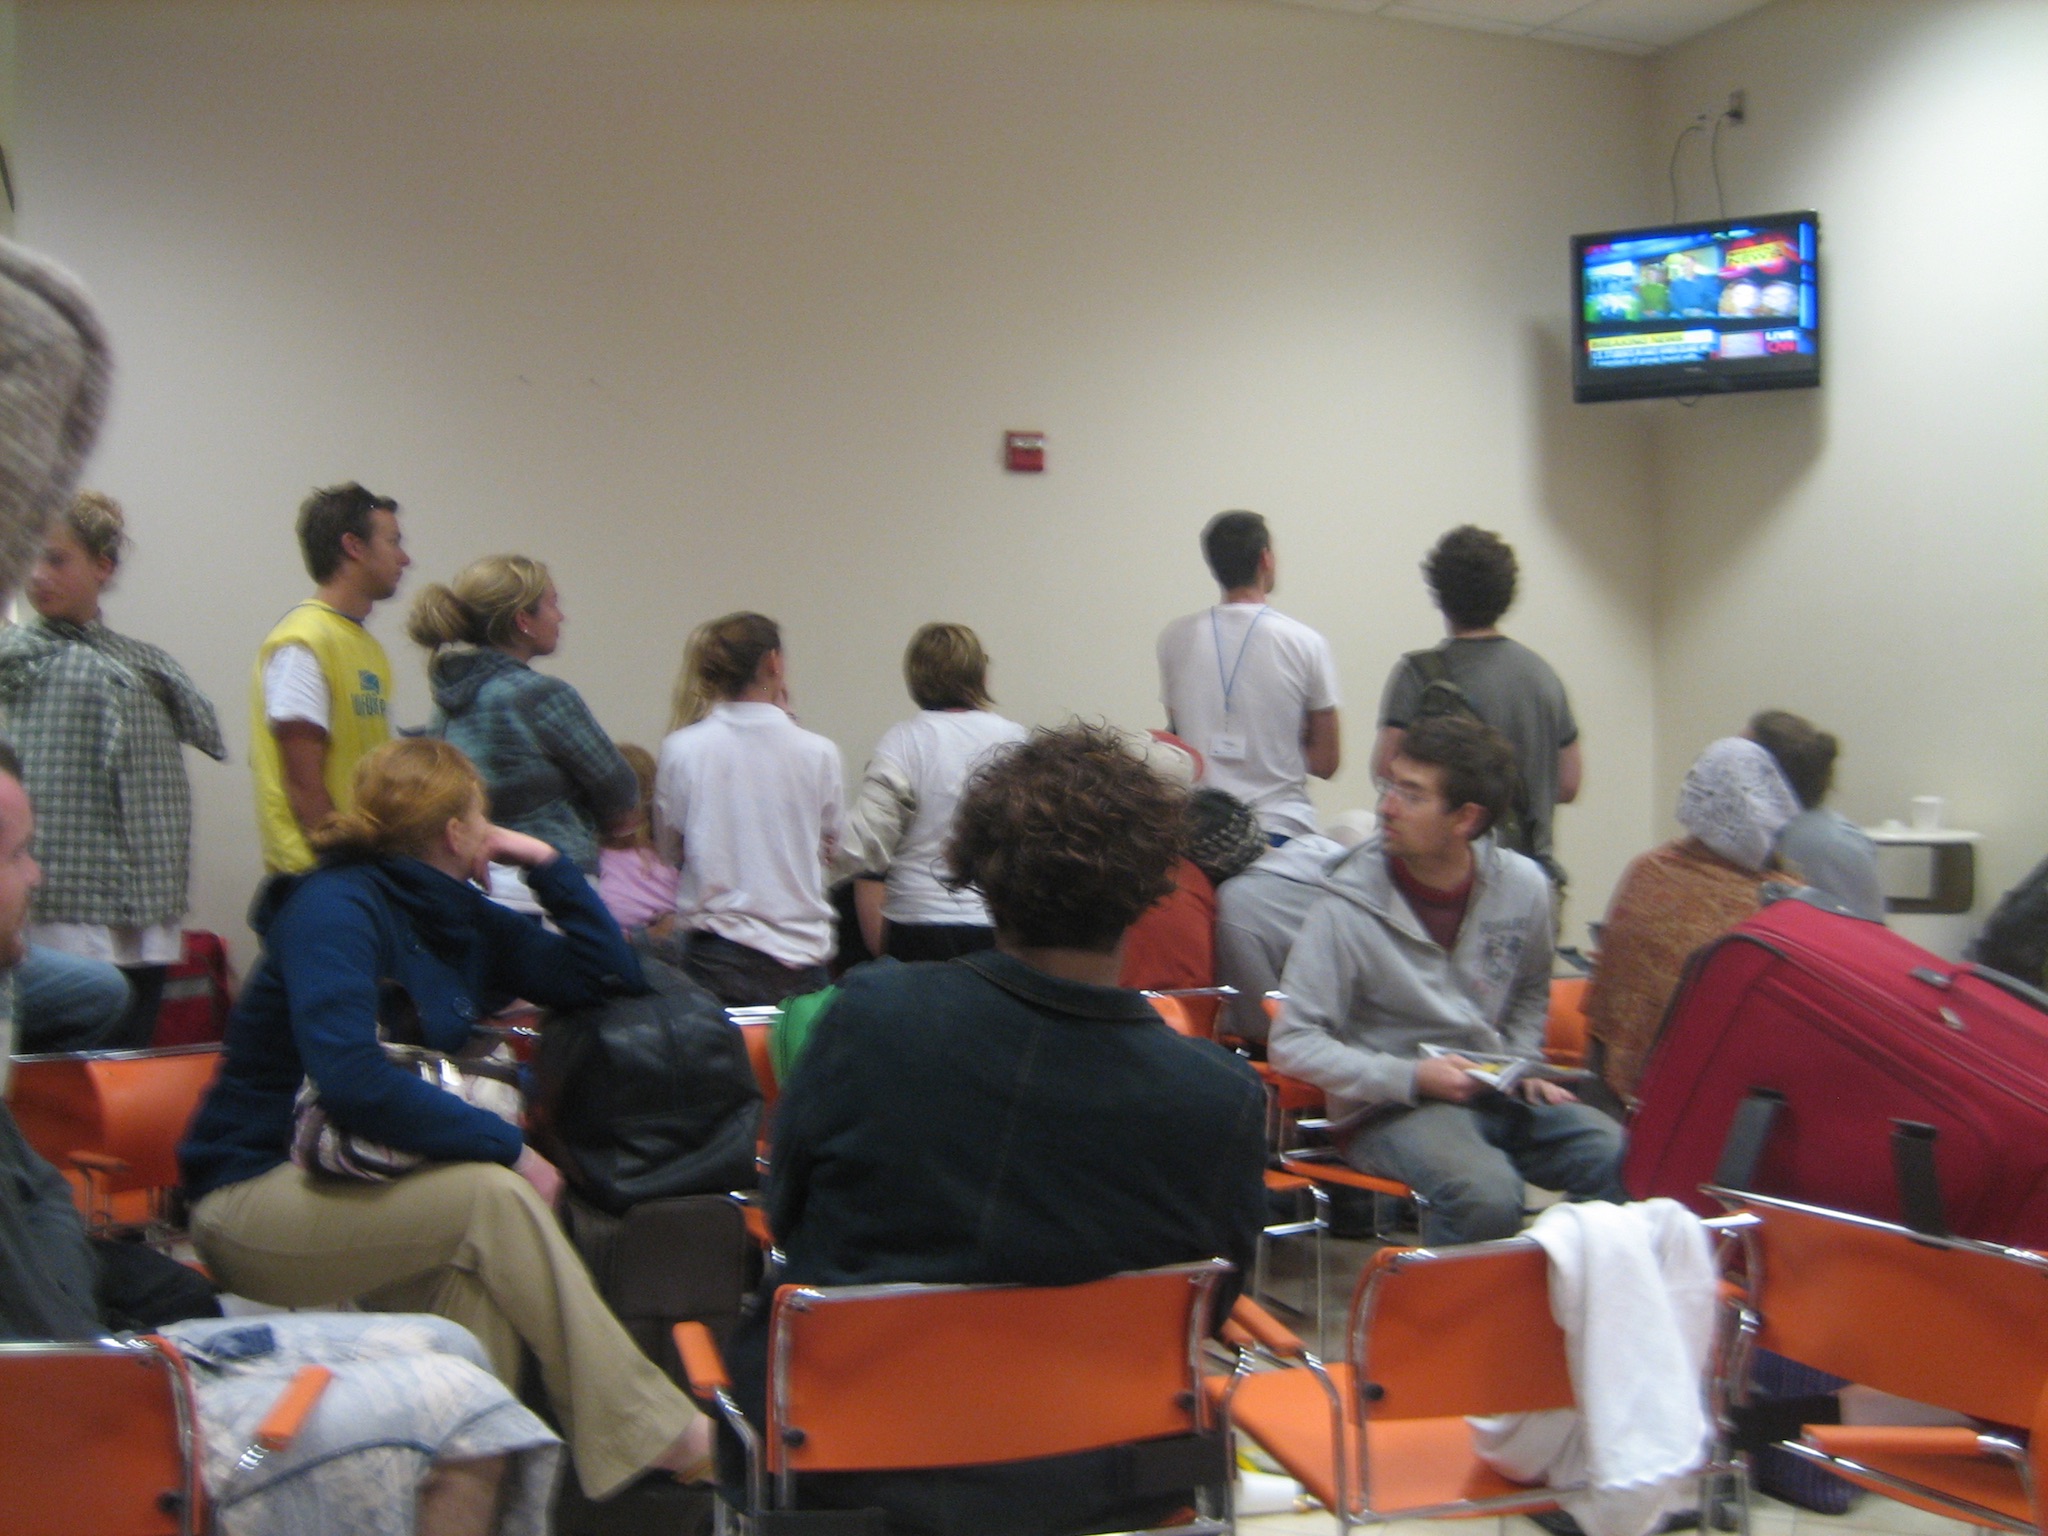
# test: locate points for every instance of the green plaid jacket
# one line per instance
(98, 718)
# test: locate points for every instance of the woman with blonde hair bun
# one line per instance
(551, 769)
(389, 935)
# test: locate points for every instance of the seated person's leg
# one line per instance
(413, 1417)
(1471, 1190)
(1572, 1148)
(66, 1002)
(472, 1242)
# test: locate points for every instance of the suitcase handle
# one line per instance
(1747, 1133)
(2033, 997)
(1919, 1188)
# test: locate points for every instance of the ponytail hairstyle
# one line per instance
(722, 660)
(482, 606)
(406, 793)
(691, 700)
(94, 519)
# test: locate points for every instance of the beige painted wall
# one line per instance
(1872, 554)
(726, 305)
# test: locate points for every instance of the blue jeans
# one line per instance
(67, 1003)
(1468, 1161)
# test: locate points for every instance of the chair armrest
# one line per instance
(702, 1363)
(287, 1416)
(98, 1162)
(1265, 1329)
(1857, 1441)
(757, 1225)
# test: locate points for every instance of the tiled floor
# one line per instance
(1768, 1517)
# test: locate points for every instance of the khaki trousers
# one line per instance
(471, 1242)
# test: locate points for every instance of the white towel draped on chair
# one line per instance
(1633, 1288)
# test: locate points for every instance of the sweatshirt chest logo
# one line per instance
(1500, 951)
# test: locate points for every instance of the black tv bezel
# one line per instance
(1684, 380)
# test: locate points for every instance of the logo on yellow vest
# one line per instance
(369, 699)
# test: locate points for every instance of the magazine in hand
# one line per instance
(1501, 1073)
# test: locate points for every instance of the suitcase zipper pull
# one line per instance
(1953, 1020)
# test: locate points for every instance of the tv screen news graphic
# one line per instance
(1692, 309)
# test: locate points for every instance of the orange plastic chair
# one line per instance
(1957, 1324)
(1191, 1011)
(114, 1120)
(1434, 1335)
(1448, 1333)
(754, 1025)
(900, 1377)
(755, 1032)
(102, 1439)
(1564, 1032)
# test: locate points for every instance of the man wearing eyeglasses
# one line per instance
(1431, 948)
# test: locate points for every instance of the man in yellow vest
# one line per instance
(321, 694)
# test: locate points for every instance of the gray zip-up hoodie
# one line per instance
(1367, 987)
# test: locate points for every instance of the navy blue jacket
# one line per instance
(331, 939)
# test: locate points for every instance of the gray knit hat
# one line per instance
(1224, 837)
(54, 374)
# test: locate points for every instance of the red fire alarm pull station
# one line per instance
(1024, 452)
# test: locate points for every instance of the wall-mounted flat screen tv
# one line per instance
(1695, 309)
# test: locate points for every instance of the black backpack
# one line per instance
(2015, 938)
(1516, 827)
(642, 1098)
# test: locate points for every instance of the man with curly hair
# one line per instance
(1480, 671)
(1013, 1115)
(1252, 690)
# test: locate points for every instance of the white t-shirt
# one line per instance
(934, 754)
(1275, 672)
(749, 805)
(294, 687)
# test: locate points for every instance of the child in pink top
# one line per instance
(639, 888)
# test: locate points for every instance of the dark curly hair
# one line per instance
(1069, 837)
(1472, 573)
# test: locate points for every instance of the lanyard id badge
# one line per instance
(1228, 744)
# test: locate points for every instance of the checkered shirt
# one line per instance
(98, 719)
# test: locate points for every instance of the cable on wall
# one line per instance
(1695, 126)
(1737, 111)
(6, 178)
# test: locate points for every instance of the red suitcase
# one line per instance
(1856, 1029)
(197, 993)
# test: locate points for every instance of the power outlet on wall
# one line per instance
(1738, 106)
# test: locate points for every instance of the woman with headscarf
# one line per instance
(1677, 897)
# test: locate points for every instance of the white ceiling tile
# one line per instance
(1454, 19)
(1584, 40)
(1522, 14)
(1356, 7)
(1658, 23)
(1617, 26)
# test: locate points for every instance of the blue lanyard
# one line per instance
(1216, 632)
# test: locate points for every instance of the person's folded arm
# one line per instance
(1322, 982)
(876, 822)
(328, 956)
(570, 735)
(587, 961)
